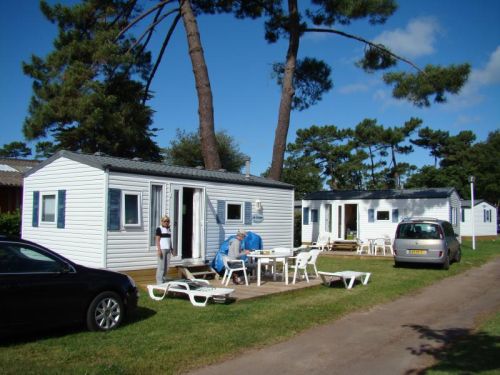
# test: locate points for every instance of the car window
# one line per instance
(448, 230)
(423, 231)
(21, 258)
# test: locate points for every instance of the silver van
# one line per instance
(426, 240)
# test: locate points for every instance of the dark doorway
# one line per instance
(187, 222)
(351, 221)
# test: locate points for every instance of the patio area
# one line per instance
(241, 292)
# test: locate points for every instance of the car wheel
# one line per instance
(105, 312)
(398, 264)
(446, 263)
(458, 257)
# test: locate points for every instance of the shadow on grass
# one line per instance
(462, 351)
(27, 335)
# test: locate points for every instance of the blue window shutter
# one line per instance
(61, 208)
(36, 207)
(221, 212)
(314, 216)
(248, 213)
(395, 215)
(371, 215)
(305, 216)
(114, 206)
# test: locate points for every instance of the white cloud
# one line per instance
(416, 40)
(490, 75)
(354, 88)
(470, 94)
(467, 120)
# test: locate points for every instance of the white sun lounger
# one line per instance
(348, 277)
(198, 290)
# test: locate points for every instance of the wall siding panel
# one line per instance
(82, 237)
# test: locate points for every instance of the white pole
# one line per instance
(472, 214)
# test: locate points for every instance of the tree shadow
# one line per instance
(463, 351)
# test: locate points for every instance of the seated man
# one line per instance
(235, 252)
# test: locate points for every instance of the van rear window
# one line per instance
(424, 231)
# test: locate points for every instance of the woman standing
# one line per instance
(163, 248)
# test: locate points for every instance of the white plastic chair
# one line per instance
(228, 272)
(388, 244)
(363, 246)
(322, 242)
(312, 261)
(301, 264)
(379, 245)
(275, 261)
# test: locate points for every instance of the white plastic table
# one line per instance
(260, 255)
(348, 277)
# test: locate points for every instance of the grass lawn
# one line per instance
(172, 336)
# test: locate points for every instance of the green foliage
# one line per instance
(433, 81)
(10, 223)
(15, 150)
(185, 150)
(87, 93)
(45, 149)
(311, 81)
(304, 174)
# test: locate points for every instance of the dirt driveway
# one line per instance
(394, 338)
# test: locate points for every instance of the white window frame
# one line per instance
(42, 206)
(139, 209)
(242, 213)
(388, 215)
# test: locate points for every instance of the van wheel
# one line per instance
(397, 264)
(105, 312)
(458, 257)
(446, 264)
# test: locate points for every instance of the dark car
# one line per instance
(40, 288)
(426, 240)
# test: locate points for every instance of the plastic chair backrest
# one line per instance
(302, 259)
(314, 256)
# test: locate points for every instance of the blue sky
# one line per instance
(246, 99)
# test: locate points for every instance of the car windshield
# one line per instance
(424, 231)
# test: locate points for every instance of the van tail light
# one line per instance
(440, 254)
(395, 251)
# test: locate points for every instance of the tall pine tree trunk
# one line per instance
(286, 93)
(203, 89)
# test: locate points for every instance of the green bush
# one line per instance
(10, 223)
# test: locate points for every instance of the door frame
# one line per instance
(176, 213)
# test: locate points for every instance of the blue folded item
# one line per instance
(252, 241)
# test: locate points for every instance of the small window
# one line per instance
(382, 215)
(49, 208)
(463, 215)
(131, 209)
(234, 212)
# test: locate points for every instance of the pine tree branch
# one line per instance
(142, 16)
(151, 28)
(371, 44)
(158, 13)
(160, 56)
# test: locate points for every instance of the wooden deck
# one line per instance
(241, 292)
(268, 286)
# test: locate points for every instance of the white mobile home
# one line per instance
(485, 219)
(102, 211)
(351, 214)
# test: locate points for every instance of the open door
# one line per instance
(351, 221)
(187, 217)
